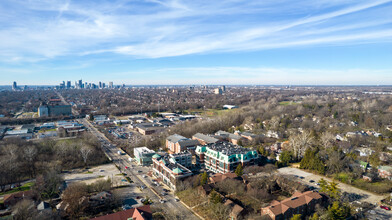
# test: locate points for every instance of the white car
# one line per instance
(162, 201)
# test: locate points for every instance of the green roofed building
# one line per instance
(224, 157)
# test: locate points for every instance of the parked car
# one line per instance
(311, 181)
(162, 201)
(385, 207)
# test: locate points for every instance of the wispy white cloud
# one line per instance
(257, 76)
(46, 29)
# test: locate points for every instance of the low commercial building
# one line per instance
(143, 155)
(169, 171)
(177, 143)
(224, 157)
(299, 203)
(148, 128)
(20, 134)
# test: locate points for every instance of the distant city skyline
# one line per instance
(178, 42)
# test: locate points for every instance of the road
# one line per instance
(136, 174)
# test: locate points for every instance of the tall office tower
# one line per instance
(223, 88)
(103, 85)
(80, 84)
(100, 85)
(14, 86)
(68, 84)
(62, 85)
(85, 85)
(110, 85)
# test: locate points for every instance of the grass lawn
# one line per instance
(24, 187)
(288, 103)
(381, 187)
(248, 201)
(204, 211)
(191, 197)
(42, 131)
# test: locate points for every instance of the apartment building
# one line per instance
(224, 157)
(168, 170)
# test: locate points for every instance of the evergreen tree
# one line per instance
(338, 211)
(239, 171)
(296, 217)
(323, 185)
(204, 178)
(215, 197)
(285, 157)
(314, 217)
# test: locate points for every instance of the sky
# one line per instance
(231, 42)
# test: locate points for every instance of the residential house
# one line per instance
(224, 157)
(364, 165)
(204, 139)
(177, 143)
(299, 203)
(219, 177)
(364, 152)
(139, 213)
(235, 210)
(12, 199)
(205, 189)
(385, 172)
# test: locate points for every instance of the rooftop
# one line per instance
(205, 138)
(227, 148)
(176, 138)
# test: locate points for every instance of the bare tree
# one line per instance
(300, 143)
(220, 211)
(24, 210)
(85, 152)
(326, 139)
(29, 155)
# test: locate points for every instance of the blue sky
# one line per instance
(336, 42)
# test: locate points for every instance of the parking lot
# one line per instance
(88, 176)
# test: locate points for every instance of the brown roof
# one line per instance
(220, 177)
(15, 197)
(139, 213)
(298, 199)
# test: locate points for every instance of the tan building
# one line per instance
(177, 143)
(299, 203)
